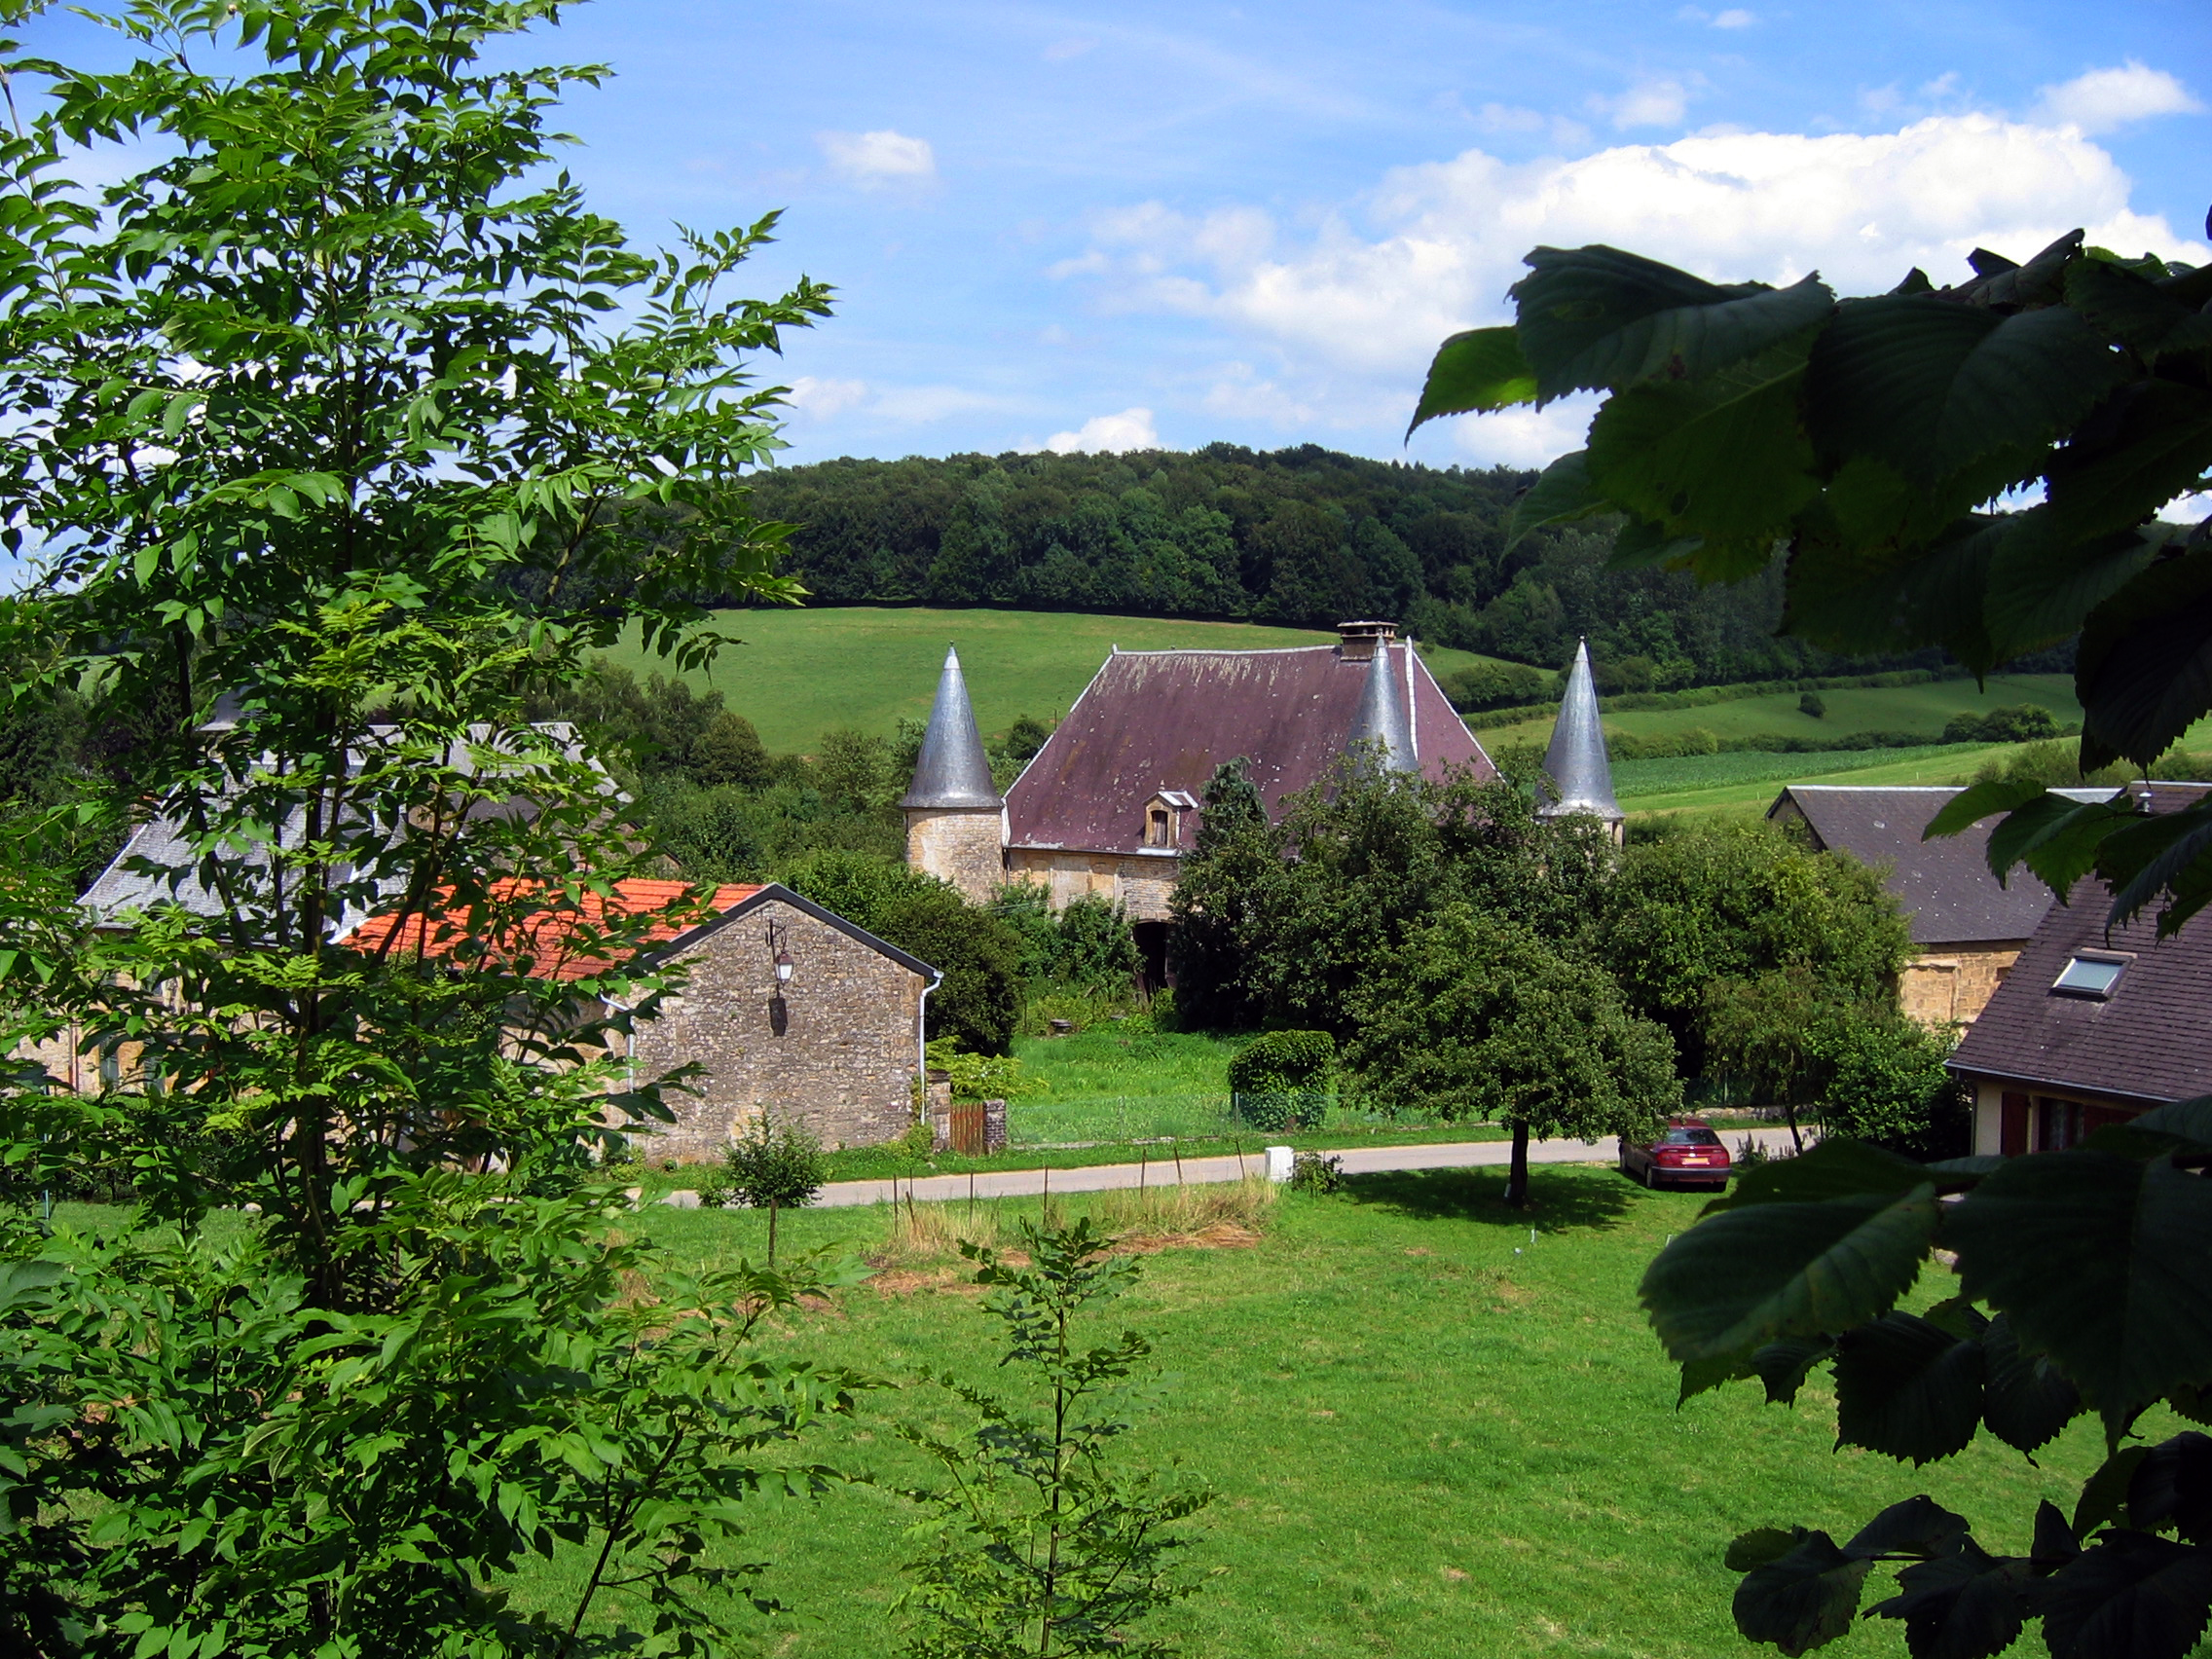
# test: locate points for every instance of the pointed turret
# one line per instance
(952, 770)
(955, 816)
(1382, 715)
(1579, 774)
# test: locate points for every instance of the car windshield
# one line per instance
(1689, 1137)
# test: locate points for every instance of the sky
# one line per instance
(1162, 225)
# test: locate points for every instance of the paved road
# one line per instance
(1197, 1171)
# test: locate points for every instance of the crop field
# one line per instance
(1428, 1433)
(802, 673)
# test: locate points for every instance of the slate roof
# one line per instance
(1154, 721)
(155, 866)
(1945, 886)
(543, 944)
(2150, 1041)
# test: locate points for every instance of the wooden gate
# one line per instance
(968, 1127)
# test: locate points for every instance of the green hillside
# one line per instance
(1919, 709)
(802, 673)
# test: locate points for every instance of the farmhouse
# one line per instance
(1110, 805)
(786, 1008)
(2089, 1030)
(1967, 928)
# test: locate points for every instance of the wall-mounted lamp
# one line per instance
(779, 952)
(783, 966)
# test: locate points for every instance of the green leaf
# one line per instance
(1785, 1365)
(2055, 837)
(1962, 1605)
(2045, 579)
(1931, 385)
(2151, 442)
(2144, 667)
(2172, 1487)
(1918, 1525)
(2026, 1401)
(2130, 1596)
(1853, 598)
(1720, 456)
(1562, 493)
(2168, 853)
(1762, 1545)
(1481, 369)
(2189, 1121)
(1745, 1277)
(1837, 1167)
(1596, 318)
(1803, 1601)
(1970, 805)
(2133, 309)
(2097, 1260)
(1906, 1388)
(2104, 1494)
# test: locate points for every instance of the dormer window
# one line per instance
(2092, 973)
(1164, 817)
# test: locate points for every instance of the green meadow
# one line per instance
(1428, 1433)
(801, 673)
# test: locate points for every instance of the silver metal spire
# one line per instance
(952, 770)
(1579, 774)
(1382, 715)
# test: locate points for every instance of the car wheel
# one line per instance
(1651, 1177)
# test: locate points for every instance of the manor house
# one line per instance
(1111, 804)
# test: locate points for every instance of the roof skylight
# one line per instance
(2091, 974)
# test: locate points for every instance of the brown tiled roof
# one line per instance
(2151, 1040)
(554, 942)
(1945, 886)
(1153, 720)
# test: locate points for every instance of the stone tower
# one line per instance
(1382, 712)
(955, 818)
(1580, 775)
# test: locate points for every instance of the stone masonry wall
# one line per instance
(1142, 884)
(963, 848)
(1946, 985)
(843, 1064)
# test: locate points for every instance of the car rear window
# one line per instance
(1689, 1137)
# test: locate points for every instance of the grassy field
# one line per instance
(802, 673)
(1919, 709)
(1429, 1433)
(1725, 792)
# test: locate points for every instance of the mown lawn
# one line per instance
(802, 673)
(1429, 1435)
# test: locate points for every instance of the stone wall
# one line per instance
(963, 848)
(838, 1057)
(1141, 882)
(1951, 984)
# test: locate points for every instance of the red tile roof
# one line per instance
(1153, 720)
(542, 942)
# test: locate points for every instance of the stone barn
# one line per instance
(786, 1006)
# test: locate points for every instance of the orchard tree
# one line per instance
(1867, 440)
(1476, 1017)
(343, 430)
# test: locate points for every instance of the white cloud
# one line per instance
(1130, 429)
(2107, 98)
(1565, 134)
(823, 399)
(1647, 103)
(1735, 18)
(1061, 50)
(870, 159)
(1352, 311)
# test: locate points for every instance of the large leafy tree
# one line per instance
(1474, 1016)
(1879, 444)
(343, 429)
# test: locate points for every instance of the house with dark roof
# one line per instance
(786, 1008)
(1111, 804)
(1967, 928)
(2089, 1028)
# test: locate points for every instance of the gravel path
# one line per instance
(1198, 1172)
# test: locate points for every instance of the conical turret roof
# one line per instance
(1382, 715)
(952, 770)
(1581, 775)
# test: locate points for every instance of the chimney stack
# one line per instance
(1357, 641)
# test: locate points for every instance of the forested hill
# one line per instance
(1301, 536)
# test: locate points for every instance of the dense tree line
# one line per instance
(1301, 536)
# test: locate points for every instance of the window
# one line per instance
(1689, 1137)
(2092, 973)
(1160, 828)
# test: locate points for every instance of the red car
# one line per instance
(1686, 1154)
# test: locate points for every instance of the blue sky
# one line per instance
(1168, 224)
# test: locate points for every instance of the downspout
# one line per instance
(922, 1040)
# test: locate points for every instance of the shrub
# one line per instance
(1494, 684)
(770, 1167)
(982, 1076)
(1095, 947)
(1888, 1085)
(1316, 1172)
(1281, 1079)
(2027, 723)
(1811, 703)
